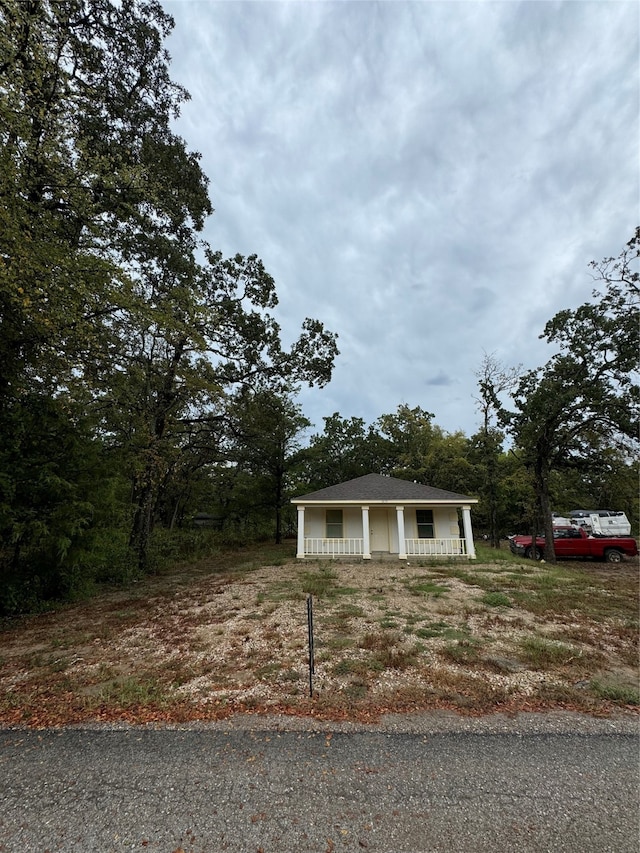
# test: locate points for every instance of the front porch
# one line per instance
(353, 547)
(397, 532)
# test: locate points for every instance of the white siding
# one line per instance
(445, 523)
(315, 522)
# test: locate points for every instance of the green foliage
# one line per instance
(346, 449)
(586, 399)
(496, 599)
(132, 691)
(168, 548)
(122, 334)
(266, 426)
(464, 651)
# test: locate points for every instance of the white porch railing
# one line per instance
(435, 547)
(333, 547)
(414, 547)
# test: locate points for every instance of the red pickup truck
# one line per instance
(576, 542)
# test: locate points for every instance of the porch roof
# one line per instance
(375, 489)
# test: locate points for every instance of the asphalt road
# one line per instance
(210, 789)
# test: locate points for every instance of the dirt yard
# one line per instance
(231, 634)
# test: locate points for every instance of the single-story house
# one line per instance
(377, 516)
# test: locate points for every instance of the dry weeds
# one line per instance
(221, 637)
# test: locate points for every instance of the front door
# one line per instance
(379, 529)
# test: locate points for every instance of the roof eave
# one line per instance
(385, 501)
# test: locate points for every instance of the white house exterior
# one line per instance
(380, 517)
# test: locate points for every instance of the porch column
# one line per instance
(366, 545)
(468, 532)
(401, 544)
(300, 553)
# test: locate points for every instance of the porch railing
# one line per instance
(334, 547)
(435, 547)
(414, 547)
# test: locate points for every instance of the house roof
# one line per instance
(374, 488)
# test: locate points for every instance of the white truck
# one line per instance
(598, 522)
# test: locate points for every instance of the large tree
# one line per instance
(110, 304)
(267, 426)
(90, 174)
(586, 399)
(417, 449)
(210, 333)
(345, 449)
(90, 167)
(494, 379)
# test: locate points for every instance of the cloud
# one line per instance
(441, 379)
(429, 179)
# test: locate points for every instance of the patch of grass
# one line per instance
(320, 584)
(388, 651)
(356, 666)
(356, 689)
(433, 629)
(496, 599)
(465, 576)
(462, 652)
(564, 694)
(132, 691)
(413, 618)
(397, 657)
(486, 554)
(341, 618)
(379, 640)
(540, 653)
(279, 591)
(456, 633)
(264, 673)
(349, 611)
(623, 693)
(58, 664)
(464, 691)
(426, 587)
(338, 643)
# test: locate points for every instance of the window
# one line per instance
(566, 533)
(424, 522)
(334, 524)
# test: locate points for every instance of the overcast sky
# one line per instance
(429, 179)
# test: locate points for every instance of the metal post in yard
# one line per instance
(310, 632)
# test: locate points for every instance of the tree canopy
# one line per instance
(117, 321)
(586, 399)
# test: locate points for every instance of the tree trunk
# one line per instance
(544, 503)
(279, 490)
(144, 500)
(494, 537)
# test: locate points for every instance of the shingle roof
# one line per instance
(376, 488)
